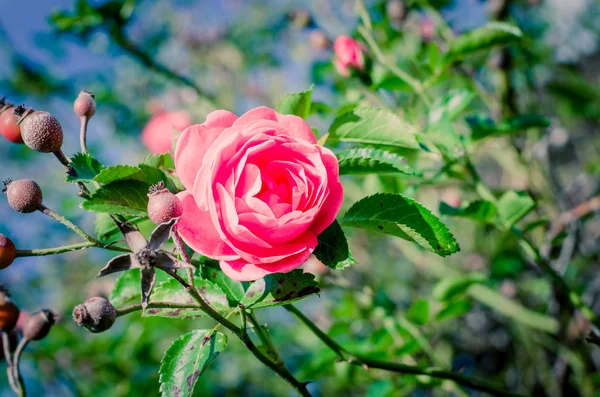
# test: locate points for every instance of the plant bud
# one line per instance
(96, 314)
(9, 312)
(38, 325)
(163, 205)
(39, 130)
(85, 104)
(8, 251)
(24, 195)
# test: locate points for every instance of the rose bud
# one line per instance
(9, 312)
(85, 104)
(8, 251)
(163, 205)
(259, 191)
(96, 314)
(158, 133)
(24, 195)
(38, 325)
(348, 55)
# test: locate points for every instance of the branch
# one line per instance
(367, 363)
(243, 337)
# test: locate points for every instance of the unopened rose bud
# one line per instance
(96, 314)
(85, 104)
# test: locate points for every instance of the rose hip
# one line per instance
(9, 127)
(8, 252)
(163, 205)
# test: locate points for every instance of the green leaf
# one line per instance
(121, 197)
(513, 206)
(127, 288)
(171, 291)
(403, 217)
(481, 210)
(418, 312)
(186, 359)
(372, 161)
(450, 287)
(482, 127)
(234, 290)
(332, 249)
(118, 173)
(454, 309)
(450, 105)
(280, 289)
(158, 160)
(491, 35)
(298, 103)
(368, 125)
(85, 166)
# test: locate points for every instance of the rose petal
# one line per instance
(243, 271)
(195, 141)
(197, 230)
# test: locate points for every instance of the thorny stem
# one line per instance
(83, 134)
(243, 337)
(67, 223)
(16, 372)
(184, 255)
(7, 357)
(367, 363)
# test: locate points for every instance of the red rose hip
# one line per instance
(8, 251)
(8, 125)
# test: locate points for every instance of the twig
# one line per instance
(8, 359)
(67, 223)
(367, 363)
(124, 310)
(15, 366)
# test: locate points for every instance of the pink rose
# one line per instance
(348, 54)
(259, 191)
(158, 133)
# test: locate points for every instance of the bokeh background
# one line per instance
(250, 53)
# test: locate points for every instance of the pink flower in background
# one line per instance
(348, 54)
(158, 133)
(427, 29)
(259, 191)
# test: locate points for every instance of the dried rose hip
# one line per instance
(163, 205)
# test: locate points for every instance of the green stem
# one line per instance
(83, 134)
(367, 363)
(123, 310)
(69, 248)
(186, 258)
(67, 223)
(243, 337)
(264, 338)
(567, 295)
(365, 32)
